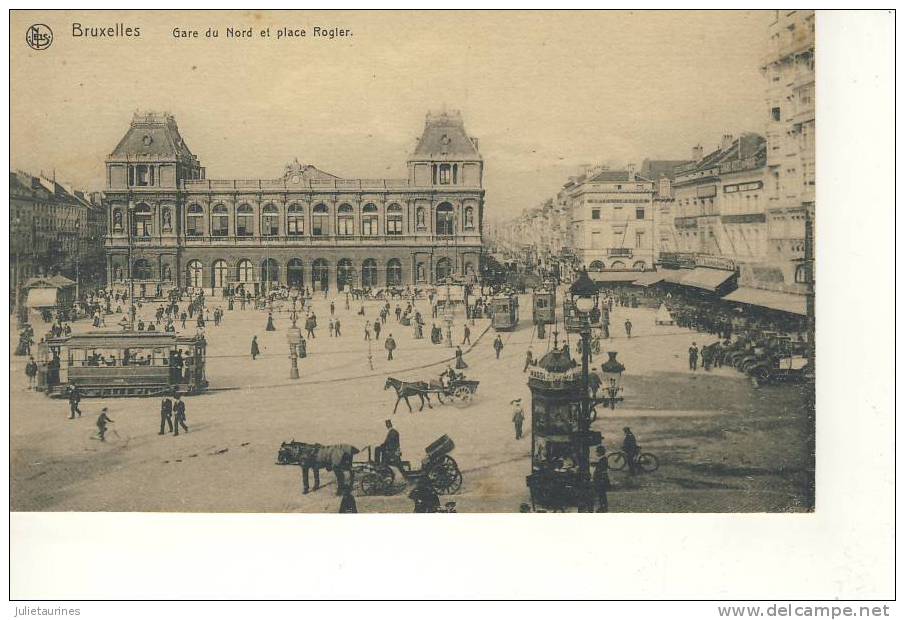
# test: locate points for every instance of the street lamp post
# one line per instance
(294, 337)
(584, 299)
(131, 211)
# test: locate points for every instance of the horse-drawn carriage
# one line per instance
(440, 469)
(459, 391)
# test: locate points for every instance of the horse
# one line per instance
(315, 456)
(404, 389)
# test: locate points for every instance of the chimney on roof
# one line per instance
(697, 152)
(726, 142)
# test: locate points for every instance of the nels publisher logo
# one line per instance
(39, 36)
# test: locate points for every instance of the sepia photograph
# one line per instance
(298, 262)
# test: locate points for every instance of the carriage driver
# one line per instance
(389, 452)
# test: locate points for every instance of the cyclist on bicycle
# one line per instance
(631, 449)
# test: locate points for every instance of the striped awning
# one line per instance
(774, 300)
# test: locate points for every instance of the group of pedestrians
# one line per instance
(172, 415)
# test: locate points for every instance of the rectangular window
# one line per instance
(345, 226)
(444, 174)
(193, 226)
(319, 225)
(296, 226)
(220, 226)
(243, 226)
(271, 226)
(394, 225)
(595, 214)
(639, 214)
(775, 113)
(639, 239)
(369, 225)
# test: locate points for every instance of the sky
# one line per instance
(546, 93)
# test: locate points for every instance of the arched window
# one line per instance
(320, 221)
(220, 274)
(194, 274)
(295, 273)
(270, 273)
(369, 272)
(469, 217)
(444, 269)
(639, 265)
(141, 221)
(245, 271)
(445, 170)
(445, 224)
(617, 264)
(345, 274)
(345, 225)
(596, 266)
(194, 221)
(369, 220)
(295, 221)
(420, 218)
(394, 272)
(141, 270)
(320, 274)
(245, 221)
(219, 221)
(270, 221)
(420, 273)
(394, 220)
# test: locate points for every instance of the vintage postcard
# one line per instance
(337, 262)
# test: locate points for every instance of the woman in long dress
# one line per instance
(270, 326)
(460, 362)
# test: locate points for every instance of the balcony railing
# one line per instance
(619, 252)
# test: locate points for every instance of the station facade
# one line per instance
(170, 226)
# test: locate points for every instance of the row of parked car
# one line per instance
(765, 357)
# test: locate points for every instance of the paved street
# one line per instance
(723, 445)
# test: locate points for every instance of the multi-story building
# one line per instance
(55, 230)
(720, 201)
(789, 71)
(612, 219)
(171, 226)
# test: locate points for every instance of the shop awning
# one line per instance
(602, 277)
(42, 298)
(775, 300)
(707, 279)
(649, 278)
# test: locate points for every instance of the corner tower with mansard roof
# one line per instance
(446, 154)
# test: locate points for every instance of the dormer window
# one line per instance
(445, 174)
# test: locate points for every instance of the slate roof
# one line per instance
(656, 169)
(153, 135)
(444, 137)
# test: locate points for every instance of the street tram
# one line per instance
(111, 364)
(543, 305)
(573, 321)
(505, 311)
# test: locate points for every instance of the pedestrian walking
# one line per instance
(182, 318)
(518, 417)
(529, 360)
(166, 415)
(601, 480)
(102, 421)
(390, 346)
(628, 328)
(376, 329)
(255, 350)
(693, 356)
(630, 447)
(330, 327)
(336, 331)
(75, 398)
(332, 308)
(270, 325)
(179, 415)
(367, 330)
(467, 336)
(31, 371)
(498, 346)
(460, 362)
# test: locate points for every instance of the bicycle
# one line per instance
(644, 461)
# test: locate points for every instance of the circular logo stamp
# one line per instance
(39, 36)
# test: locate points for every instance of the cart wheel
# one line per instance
(616, 461)
(463, 395)
(445, 477)
(648, 462)
(371, 484)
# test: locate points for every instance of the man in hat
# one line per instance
(693, 356)
(498, 346)
(389, 452)
(630, 447)
(179, 411)
(518, 417)
(390, 346)
(102, 421)
(166, 414)
(601, 479)
(75, 397)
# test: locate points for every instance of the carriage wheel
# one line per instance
(445, 477)
(463, 395)
(616, 461)
(371, 484)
